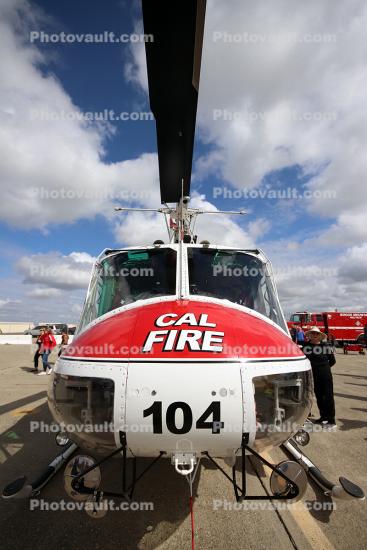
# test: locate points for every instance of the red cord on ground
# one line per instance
(192, 524)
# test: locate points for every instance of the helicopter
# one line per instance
(182, 350)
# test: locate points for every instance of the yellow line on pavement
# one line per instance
(22, 412)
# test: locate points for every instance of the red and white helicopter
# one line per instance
(182, 350)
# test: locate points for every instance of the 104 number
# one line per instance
(213, 411)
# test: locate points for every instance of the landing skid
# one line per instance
(345, 489)
(21, 488)
(288, 489)
(287, 482)
(291, 488)
(127, 492)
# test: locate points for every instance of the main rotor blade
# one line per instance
(173, 63)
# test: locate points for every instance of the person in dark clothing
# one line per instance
(322, 358)
(293, 333)
(38, 354)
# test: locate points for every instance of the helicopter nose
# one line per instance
(185, 330)
(187, 377)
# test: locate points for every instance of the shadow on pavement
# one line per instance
(348, 424)
(322, 507)
(20, 402)
(26, 453)
(350, 375)
(348, 396)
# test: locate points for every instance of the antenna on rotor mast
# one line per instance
(181, 220)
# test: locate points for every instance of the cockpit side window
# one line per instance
(235, 276)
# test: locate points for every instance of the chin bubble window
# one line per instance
(84, 407)
(282, 404)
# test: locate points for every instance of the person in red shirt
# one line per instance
(48, 342)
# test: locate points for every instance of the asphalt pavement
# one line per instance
(314, 522)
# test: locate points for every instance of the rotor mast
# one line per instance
(181, 220)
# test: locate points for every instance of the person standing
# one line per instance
(38, 353)
(322, 358)
(64, 341)
(47, 345)
(293, 333)
(300, 336)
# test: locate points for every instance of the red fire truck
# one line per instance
(339, 326)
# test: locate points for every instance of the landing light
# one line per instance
(302, 438)
(62, 439)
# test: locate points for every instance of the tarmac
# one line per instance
(315, 522)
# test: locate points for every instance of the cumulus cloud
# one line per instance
(293, 90)
(353, 268)
(44, 293)
(309, 280)
(138, 228)
(8, 305)
(53, 171)
(349, 229)
(22, 304)
(221, 228)
(135, 65)
(55, 271)
(283, 87)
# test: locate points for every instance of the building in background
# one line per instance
(15, 327)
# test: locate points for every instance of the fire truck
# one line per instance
(341, 327)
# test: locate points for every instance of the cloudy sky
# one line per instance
(282, 132)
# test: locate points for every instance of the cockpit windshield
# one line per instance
(127, 277)
(235, 276)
